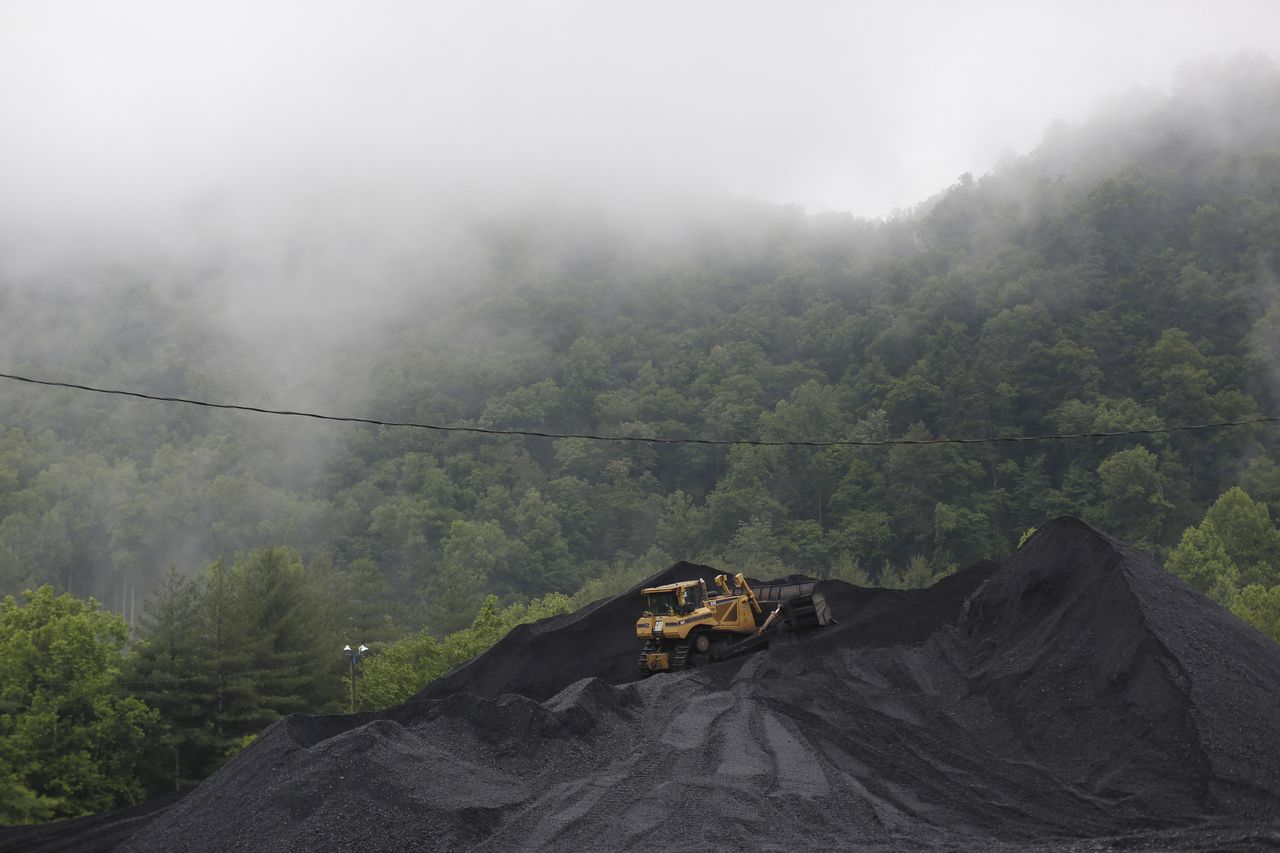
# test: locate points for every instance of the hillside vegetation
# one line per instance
(1123, 276)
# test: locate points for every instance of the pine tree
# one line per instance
(169, 671)
(234, 710)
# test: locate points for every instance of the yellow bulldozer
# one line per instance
(688, 621)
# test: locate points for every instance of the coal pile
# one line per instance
(539, 660)
(102, 831)
(1074, 696)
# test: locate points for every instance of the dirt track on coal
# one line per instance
(1075, 696)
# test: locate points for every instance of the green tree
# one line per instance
(69, 742)
(964, 534)
(862, 536)
(1235, 545)
(919, 477)
(756, 549)
(917, 574)
(233, 711)
(475, 552)
(680, 526)
(268, 649)
(1260, 607)
(1201, 559)
(394, 673)
(1134, 505)
(1122, 209)
(743, 494)
(168, 671)
(1175, 371)
(846, 567)
(546, 564)
(277, 608)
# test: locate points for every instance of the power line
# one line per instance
(754, 442)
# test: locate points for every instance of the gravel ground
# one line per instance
(1073, 697)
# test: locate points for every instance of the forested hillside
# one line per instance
(1122, 276)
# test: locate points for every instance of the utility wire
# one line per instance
(754, 442)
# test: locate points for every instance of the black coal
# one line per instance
(1075, 696)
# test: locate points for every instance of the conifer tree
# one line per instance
(169, 671)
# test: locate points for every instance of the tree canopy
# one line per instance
(1115, 279)
(69, 739)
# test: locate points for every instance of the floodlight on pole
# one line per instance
(355, 656)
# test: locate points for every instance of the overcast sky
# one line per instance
(115, 105)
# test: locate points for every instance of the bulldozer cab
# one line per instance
(674, 598)
(692, 598)
(661, 603)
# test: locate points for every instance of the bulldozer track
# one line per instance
(643, 663)
(679, 656)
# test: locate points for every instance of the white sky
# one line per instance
(116, 105)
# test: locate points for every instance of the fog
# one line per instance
(316, 168)
(123, 112)
(273, 203)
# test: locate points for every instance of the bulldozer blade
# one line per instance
(755, 642)
(805, 612)
(770, 595)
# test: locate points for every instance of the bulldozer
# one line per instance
(688, 621)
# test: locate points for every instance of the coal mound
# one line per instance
(95, 832)
(538, 660)
(1075, 696)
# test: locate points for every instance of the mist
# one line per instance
(132, 109)
(320, 167)
(303, 205)
(886, 286)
